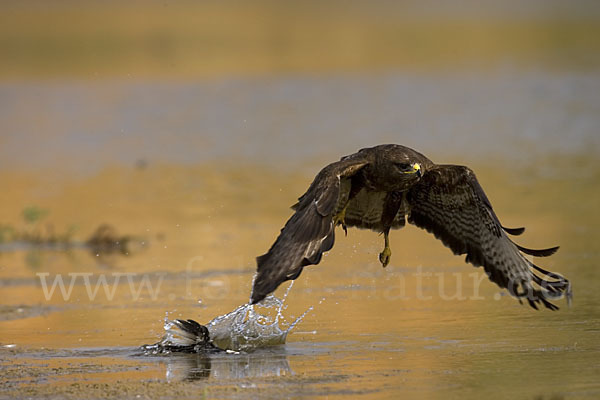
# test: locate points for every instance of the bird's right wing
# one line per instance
(309, 232)
(449, 202)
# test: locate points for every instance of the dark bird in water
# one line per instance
(377, 188)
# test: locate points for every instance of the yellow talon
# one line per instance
(340, 219)
(386, 255)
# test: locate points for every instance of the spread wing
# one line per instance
(309, 232)
(449, 202)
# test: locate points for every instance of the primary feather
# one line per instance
(376, 192)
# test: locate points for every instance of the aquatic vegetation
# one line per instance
(106, 239)
(37, 237)
(33, 214)
(33, 232)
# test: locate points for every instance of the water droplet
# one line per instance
(246, 328)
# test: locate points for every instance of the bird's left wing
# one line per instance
(449, 202)
(309, 232)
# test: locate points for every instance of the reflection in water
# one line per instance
(106, 240)
(192, 367)
(188, 367)
(393, 338)
(216, 218)
(245, 329)
(39, 242)
(511, 88)
(235, 345)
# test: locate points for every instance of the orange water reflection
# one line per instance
(426, 325)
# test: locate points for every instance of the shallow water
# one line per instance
(297, 120)
(427, 326)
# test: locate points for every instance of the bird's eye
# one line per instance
(403, 166)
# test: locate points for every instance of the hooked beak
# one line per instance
(417, 169)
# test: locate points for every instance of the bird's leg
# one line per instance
(386, 254)
(339, 218)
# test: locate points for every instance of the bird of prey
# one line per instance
(378, 188)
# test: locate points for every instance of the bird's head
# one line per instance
(409, 170)
(403, 174)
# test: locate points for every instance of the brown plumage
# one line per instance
(379, 188)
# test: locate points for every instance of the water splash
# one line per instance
(246, 328)
(249, 327)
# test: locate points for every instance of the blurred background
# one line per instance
(151, 136)
(86, 84)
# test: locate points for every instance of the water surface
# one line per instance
(201, 206)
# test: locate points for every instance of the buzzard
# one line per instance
(379, 188)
